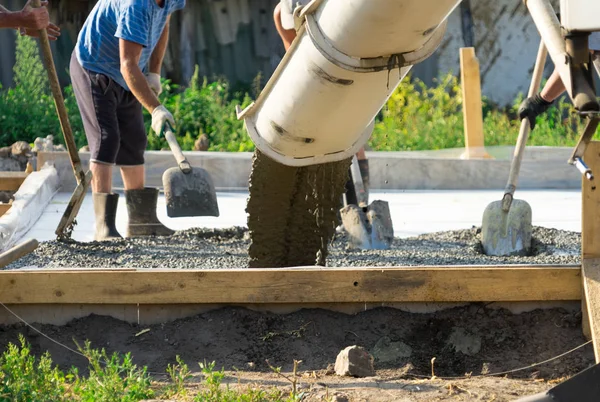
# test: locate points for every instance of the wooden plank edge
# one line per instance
(591, 301)
(307, 268)
(291, 286)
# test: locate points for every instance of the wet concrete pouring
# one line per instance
(467, 340)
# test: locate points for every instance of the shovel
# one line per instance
(65, 227)
(506, 227)
(188, 191)
(369, 227)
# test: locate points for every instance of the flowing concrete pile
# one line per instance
(226, 249)
(293, 211)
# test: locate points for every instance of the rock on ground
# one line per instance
(354, 361)
(387, 351)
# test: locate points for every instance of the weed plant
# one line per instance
(115, 378)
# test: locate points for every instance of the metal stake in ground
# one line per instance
(65, 227)
(506, 227)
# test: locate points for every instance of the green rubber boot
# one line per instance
(105, 211)
(141, 206)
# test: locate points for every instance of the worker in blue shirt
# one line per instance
(115, 70)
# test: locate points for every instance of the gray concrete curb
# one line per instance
(542, 168)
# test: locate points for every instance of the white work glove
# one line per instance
(154, 82)
(160, 117)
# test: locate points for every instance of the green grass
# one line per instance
(115, 378)
(416, 117)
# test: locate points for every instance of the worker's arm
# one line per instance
(156, 60)
(29, 20)
(532, 107)
(287, 35)
(130, 53)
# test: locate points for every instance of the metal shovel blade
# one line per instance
(507, 233)
(189, 194)
(371, 229)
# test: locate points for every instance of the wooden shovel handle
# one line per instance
(515, 167)
(59, 102)
(183, 163)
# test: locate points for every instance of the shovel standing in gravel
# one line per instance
(507, 224)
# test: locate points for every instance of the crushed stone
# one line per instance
(228, 248)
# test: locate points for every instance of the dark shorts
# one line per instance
(112, 118)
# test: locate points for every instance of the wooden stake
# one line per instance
(472, 106)
(590, 249)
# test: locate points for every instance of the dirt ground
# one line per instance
(470, 340)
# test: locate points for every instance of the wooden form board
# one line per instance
(293, 285)
(11, 181)
(590, 248)
(4, 208)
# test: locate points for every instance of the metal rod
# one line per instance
(584, 169)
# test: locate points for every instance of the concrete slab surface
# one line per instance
(413, 212)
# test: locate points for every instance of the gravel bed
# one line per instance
(223, 249)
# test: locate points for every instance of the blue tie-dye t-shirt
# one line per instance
(139, 21)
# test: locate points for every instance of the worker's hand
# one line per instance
(53, 32)
(532, 107)
(34, 18)
(160, 117)
(154, 82)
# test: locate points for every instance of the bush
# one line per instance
(27, 111)
(416, 117)
(204, 108)
(114, 378)
(111, 379)
(23, 378)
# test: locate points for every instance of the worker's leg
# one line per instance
(141, 200)
(101, 177)
(97, 103)
(363, 164)
(287, 35)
